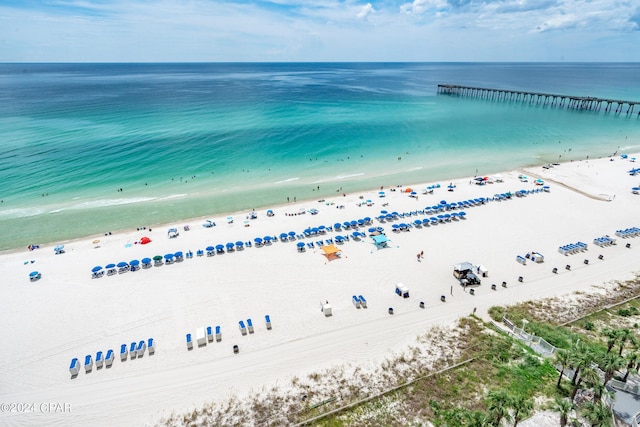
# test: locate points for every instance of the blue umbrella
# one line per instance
(307, 231)
(210, 248)
(134, 263)
(267, 238)
(338, 238)
(146, 260)
(239, 244)
(380, 229)
(219, 247)
(300, 244)
(33, 274)
(283, 235)
(417, 222)
(257, 240)
(353, 223)
(168, 257)
(108, 266)
(96, 269)
(372, 229)
(229, 245)
(337, 226)
(383, 212)
(178, 254)
(122, 264)
(361, 222)
(367, 219)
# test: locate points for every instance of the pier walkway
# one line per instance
(562, 101)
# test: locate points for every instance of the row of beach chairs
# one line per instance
(359, 301)
(106, 359)
(573, 248)
(628, 232)
(604, 241)
(137, 349)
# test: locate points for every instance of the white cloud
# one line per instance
(365, 11)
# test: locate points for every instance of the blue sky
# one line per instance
(308, 30)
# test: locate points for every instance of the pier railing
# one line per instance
(562, 101)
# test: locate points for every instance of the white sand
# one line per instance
(67, 314)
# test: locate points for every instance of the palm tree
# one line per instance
(598, 414)
(612, 337)
(498, 402)
(561, 357)
(632, 360)
(564, 407)
(624, 335)
(580, 358)
(589, 376)
(522, 407)
(610, 364)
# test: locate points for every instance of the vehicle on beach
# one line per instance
(313, 211)
(465, 275)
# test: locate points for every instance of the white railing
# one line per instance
(538, 344)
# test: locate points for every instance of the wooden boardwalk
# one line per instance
(589, 103)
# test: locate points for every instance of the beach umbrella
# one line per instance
(110, 266)
(461, 214)
(219, 247)
(413, 193)
(337, 226)
(300, 244)
(239, 244)
(284, 236)
(395, 226)
(346, 224)
(229, 246)
(209, 249)
(417, 222)
(372, 229)
(134, 263)
(178, 254)
(443, 202)
(315, 230)
(338, 238)
(321, 228)
(361, 222)
(146, 260)
(257, 240)
(157, 258)
(292, 234)
(122, 264)
(367, 219)
(96, 269)
(168, 257)
(145, 240)
(383, 212)
(267, 238)
(33, 274)
(307, 231)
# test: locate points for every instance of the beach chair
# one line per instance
(199, 252)
(151, 345)
(267, 321)
(356, 301)
(88, 363)
(123, 352)
(74, 368)
(243, 328)
(133, 353)
(209, 334)
(142, 346)
(189, 342)
(218, 334)
(363, 302)
(108, 360)
(250, 326)
(99, 360)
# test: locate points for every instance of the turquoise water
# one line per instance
(187, 140)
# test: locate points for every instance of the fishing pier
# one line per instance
(588, 103)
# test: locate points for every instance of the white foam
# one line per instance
(111, 202)
(287, 180)
(21, 212)
(338, 178)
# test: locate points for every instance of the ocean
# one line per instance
(92, 148)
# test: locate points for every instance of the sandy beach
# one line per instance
(68, 314)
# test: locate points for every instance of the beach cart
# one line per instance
(325, 307)
(402, 290)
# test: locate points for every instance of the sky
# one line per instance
(319, 31)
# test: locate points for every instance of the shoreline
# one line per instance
(224, 213)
